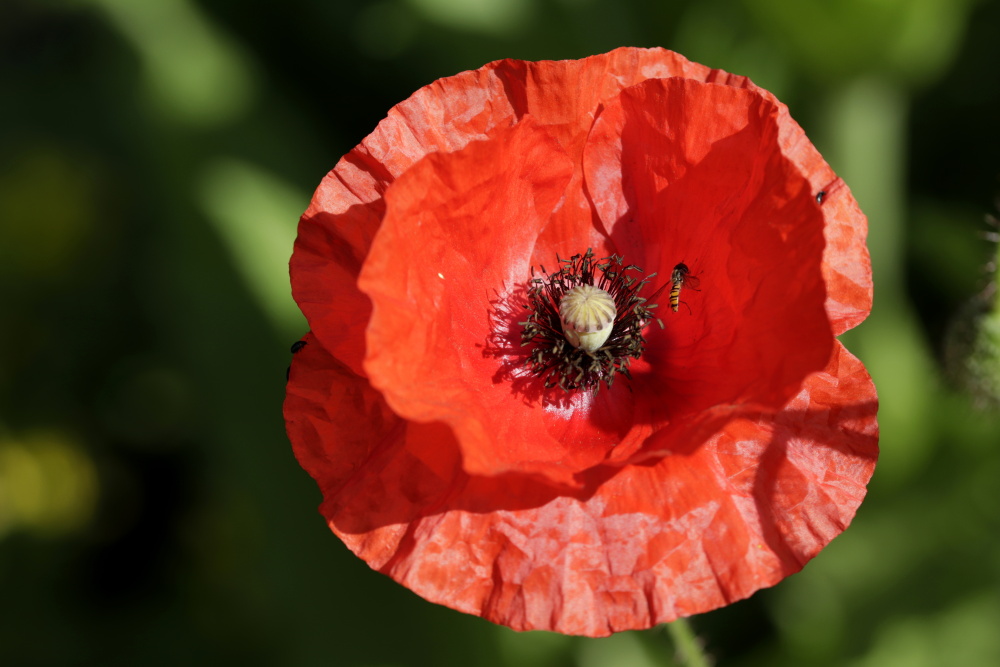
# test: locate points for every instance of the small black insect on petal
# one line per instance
(296, 346)
(820, 196)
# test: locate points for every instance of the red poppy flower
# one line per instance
(712, 458)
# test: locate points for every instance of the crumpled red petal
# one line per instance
(846, 262)
(693, 532)
(674, 180)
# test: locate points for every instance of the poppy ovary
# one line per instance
(588, 315)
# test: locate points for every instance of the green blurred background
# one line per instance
(154, 158)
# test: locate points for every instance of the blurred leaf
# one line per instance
(716, 33)
(841, 39)
(48, 485)
(384, 29)
(196, 74)
(531, 649)
(47, 210)
(965, 634)
(256, 215)
(489, 16)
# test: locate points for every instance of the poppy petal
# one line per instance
(684, 171)
(655, 542)
(846, 262)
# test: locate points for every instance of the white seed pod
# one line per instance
(588, 315)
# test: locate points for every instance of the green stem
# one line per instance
(690, 650)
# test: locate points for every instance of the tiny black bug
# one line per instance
(296, 346)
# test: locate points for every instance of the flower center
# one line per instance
(586, 321)
(588, 315)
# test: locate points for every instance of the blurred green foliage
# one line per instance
(154, 159)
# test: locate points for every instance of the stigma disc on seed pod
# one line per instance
(588, 316)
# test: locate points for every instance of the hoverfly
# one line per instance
(681, 277)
